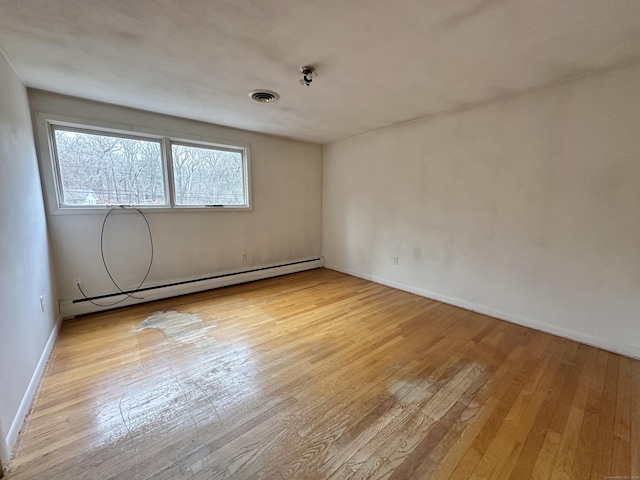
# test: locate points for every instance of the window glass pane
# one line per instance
(101, 169)
(207, 176)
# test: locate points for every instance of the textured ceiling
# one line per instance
(379, 62)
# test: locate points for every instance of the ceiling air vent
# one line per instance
(264, 96)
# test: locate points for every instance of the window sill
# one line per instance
(147, 209)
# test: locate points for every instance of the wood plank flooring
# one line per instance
(320, 375)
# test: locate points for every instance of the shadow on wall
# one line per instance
(3, 447)
(4, 451)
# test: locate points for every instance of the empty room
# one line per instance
(284, 239)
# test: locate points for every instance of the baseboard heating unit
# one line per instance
(81, 306)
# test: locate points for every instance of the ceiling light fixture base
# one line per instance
(308, 73)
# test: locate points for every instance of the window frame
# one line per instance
(214, 146)
(53, 126)
(46, 124)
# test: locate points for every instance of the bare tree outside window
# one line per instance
(98, 169)
(207, 176)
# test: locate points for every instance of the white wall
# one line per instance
(527, 209)
(26, 331)
(284, 225)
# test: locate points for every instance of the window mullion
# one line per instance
(168, 162)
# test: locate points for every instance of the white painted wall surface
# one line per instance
(25, 272)
(284, 225)
(527, 209)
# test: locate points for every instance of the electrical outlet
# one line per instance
(77, 281)
(243, 257)
(42, 302)
(396, 260)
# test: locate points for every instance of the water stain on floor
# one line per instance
(179, 326)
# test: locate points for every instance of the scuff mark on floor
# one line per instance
(179, 326)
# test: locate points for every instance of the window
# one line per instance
(99, 169)
(96, 168)
(205, 175)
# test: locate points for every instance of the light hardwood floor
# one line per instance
(320, 375)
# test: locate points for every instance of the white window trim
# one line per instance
(209, 144)
(49, 174)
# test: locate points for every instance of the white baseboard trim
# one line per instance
(27, 399)
(70, 309)
(626, 350)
